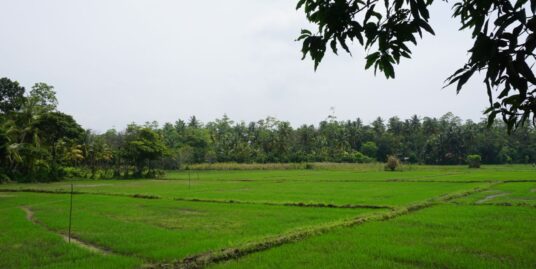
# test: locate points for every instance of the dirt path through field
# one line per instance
(85, 245)
(490, 197)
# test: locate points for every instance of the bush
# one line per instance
(354, 157)
(362, 158)
(370, 149)
(155, 173)
(3, 178)
(392, 163)
(474, 160)
(77, 172)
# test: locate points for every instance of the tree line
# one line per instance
(444, 140)
(38, 142)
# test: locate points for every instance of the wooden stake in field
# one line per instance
(71, 213)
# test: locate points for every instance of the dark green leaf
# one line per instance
(371, 59)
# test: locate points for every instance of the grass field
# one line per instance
(334, 217)
(444, 236)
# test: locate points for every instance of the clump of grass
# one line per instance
(393, 163)
(145, 196)
(474, 160)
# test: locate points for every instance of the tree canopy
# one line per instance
(35, 138)
(503, 49)
(142, 146)
(11, 95)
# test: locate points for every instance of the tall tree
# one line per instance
(43, 95)
(142, 146)
(11, 95)
(55, 126)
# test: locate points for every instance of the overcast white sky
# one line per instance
(116, 62)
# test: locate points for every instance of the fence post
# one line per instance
(71, 213)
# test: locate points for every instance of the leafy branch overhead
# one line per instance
(384, 30)
(503, 33)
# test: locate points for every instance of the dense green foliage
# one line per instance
(143, 145)
(474, 160)
(503, 49)
(446, 140)
(11, 95)
(38, 143)
(35, 139)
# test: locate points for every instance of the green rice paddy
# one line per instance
(423, 217)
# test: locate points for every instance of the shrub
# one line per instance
(392, 163)
(370, 149)
(155, 173)
(354, 157)
(3, 178)
(474, 160)
(76, 172)
(362, 158)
